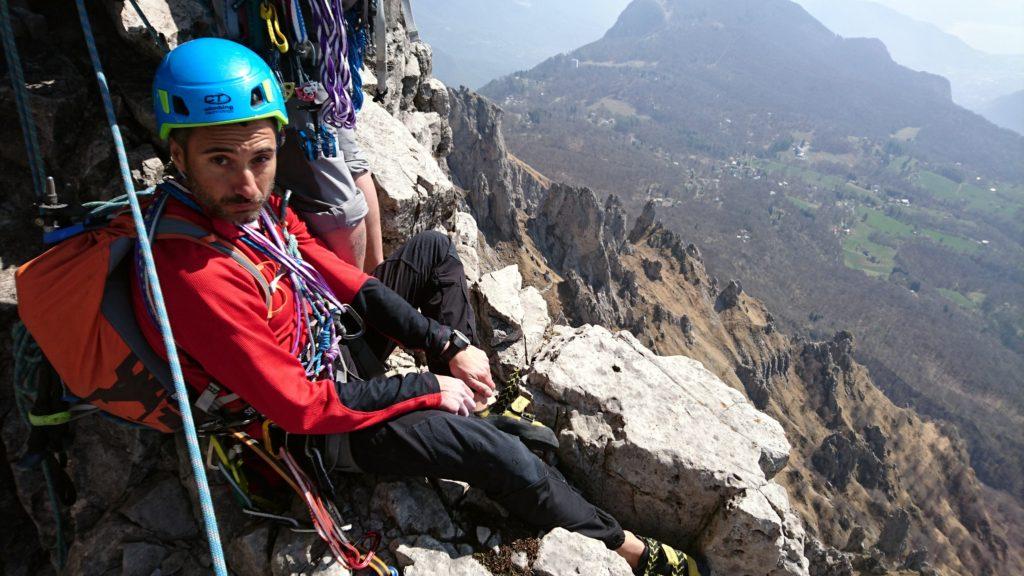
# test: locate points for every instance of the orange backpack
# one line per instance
(75, 300)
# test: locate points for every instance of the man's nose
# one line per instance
(245, 185)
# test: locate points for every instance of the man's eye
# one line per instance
(261, 159)
(220, 160)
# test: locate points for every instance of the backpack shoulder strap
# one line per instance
(171, 227)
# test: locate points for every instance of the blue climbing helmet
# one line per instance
(212, 81)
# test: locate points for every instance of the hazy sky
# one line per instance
(995, 26)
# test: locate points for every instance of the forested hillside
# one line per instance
(847, 191)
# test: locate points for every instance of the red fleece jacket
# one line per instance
(220, 322)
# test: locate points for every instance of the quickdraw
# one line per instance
(302, 43)
(268, 12)
(326, 520)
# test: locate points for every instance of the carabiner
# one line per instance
(268, 12)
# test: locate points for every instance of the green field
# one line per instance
(972, 197)
(862, 254)
(879, 259)
(970, 302)
(802, 204)
(873, 258)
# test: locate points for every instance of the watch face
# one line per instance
(460, 339)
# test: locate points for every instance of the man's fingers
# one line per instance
(488, 379)
(477, 386)
(468, 404)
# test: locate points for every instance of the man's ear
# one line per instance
(177, 155)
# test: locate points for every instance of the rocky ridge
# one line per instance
(605, 393)
(878, 488)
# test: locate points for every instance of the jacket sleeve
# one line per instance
(219, 319)
(379, 306)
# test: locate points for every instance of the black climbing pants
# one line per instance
(442, 445)
(426, 271)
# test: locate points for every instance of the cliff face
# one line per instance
(879, 487)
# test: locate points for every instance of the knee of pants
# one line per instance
(435, 244)
(512, 464)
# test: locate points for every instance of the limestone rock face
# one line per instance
(659, 441)
(175, 22)
(668, 448)
(466, 236)
(413, 191)
(415, 508)
(497, 185)
(563, 553)
(427, 557)
(516, 318)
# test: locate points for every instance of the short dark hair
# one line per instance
(180, 136)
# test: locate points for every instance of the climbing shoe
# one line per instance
(508, 414)
(661, 559)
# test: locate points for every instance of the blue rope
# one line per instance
(188, 425)
(28, 127)
(358, 34)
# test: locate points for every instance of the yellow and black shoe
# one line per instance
(508, 414)
(661, 559)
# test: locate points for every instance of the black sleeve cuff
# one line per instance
(381, 392)
(388, 313)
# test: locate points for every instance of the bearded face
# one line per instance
(230, 168)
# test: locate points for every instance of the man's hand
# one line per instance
(456, 397)
(472, 367)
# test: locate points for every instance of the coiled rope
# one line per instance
(28, 127)
(329, 23)
(188, 425)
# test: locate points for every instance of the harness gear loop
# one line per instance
(268, 12)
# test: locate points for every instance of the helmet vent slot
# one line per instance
(179, 105)
(256, 97)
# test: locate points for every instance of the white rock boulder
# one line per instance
(669, 450)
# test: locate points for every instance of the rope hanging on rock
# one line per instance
(28, 127)
(188, 424)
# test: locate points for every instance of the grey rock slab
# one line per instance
(427, 557)
(164, 510)
(756, 533)
(141, 558)
(466, 236)
(413, 191)
(563, 553)
(291, 554)
(414, 507)
(177, 22)
(249, 553)
(663, 444)
(513, 314)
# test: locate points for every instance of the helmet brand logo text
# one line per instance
(217, 99)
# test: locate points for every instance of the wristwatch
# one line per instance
(457, 342)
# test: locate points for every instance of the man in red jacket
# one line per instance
(255, 342)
